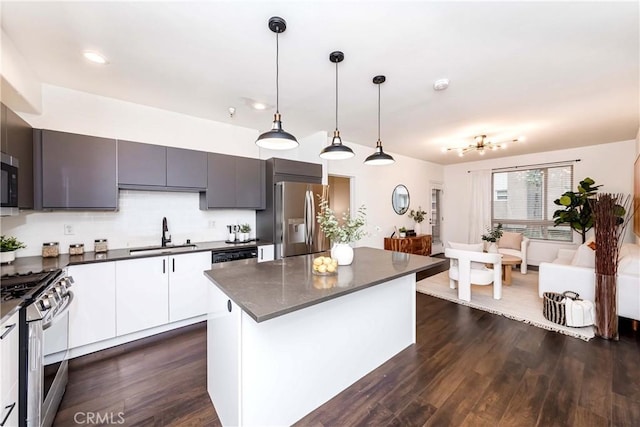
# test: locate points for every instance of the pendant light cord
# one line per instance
(378, 113)
(336, 95)
(277, 76)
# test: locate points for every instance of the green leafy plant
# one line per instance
(417, 215)
(493, 234)
(402, 230)
(245, 228)
(8, 244)
(351, 229)
(577, 211)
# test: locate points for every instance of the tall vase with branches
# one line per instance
(612, 214)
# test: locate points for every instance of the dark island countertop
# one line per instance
(270, 289)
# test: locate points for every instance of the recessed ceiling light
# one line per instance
(441, 84)
(259, 106)
(94, 57)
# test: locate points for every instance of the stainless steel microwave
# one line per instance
(8, 185)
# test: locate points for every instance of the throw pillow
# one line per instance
(510, 240)
(584, 257)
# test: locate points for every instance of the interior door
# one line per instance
(435, 219)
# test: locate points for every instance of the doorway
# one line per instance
(435, 219)
(339, 195)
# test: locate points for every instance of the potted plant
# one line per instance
(8, 247)
(492, 236)
(418, 216)
(402, 232)
(577, 210)
(341, 235)
(245, 229)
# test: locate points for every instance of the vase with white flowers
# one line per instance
(418, 216)
(341, 234)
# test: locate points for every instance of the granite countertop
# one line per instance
(36, 264)
(270, 289)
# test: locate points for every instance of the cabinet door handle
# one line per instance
(8, 329)
(6, 416)
(173, 265)
(229, 305)
(164, 266)
(261, 254)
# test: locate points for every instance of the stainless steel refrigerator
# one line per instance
(297, 231)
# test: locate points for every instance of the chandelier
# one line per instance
(481, 145)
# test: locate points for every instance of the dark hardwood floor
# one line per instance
(468, 368)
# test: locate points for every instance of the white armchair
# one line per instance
(468, 267)
(515, 244)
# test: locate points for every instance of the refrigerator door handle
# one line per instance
(306, 218)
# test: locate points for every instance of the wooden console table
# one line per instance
(418, 245)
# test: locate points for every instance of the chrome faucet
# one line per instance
(165, 230)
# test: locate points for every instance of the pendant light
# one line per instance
(336, 151)
(379, 158)
(277, 138)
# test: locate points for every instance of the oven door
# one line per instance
(55, 365)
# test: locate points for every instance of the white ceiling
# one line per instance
(564, 74)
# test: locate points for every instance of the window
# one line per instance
(523, 201)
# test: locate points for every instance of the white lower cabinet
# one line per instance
(92, 314)
(265, 253)
(9, 370)
(188, 286)
(142, 294)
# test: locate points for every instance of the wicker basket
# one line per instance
(553, 309)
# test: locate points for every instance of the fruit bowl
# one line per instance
(325, 266)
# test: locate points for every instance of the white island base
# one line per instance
(275, 372)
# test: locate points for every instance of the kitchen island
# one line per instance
(282, 341)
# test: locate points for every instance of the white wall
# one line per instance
(138, 221)
(608, 164)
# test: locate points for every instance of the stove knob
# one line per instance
(45, 304)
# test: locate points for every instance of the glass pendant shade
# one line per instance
(336, 151)
(379, 158)
(277, 138)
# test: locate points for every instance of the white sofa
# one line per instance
(574, 270)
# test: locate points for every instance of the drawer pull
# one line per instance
(7, 330)
(6, 416)
(229, 305)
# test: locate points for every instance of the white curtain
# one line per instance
(480, 208)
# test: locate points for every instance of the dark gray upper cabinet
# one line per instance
(154, 167)
(294, 171)
(234, 182)
(74, 171)
(141, 164)
(186, 168)
(17, 141)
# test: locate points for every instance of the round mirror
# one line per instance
(400, 199)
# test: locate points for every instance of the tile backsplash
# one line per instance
(138, 222)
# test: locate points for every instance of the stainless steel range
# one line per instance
(44, 343)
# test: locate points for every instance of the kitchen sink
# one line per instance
(169, 249)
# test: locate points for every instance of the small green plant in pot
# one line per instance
(492, 236)
(245, 229)
(8, 247)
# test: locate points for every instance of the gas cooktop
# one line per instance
(25, 286)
